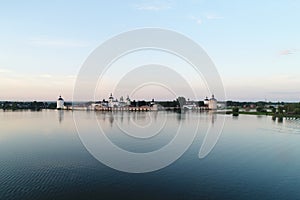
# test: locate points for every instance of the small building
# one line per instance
(154, 107)
(213, 103)
(206, 101)
(189, 106)
(60, 103)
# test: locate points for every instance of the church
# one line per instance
(211, 103)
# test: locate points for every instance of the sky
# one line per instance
(255, 45)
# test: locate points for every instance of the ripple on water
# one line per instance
(288, 126)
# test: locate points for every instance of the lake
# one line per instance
(43, 157)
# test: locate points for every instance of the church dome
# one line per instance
(60, 98)
(213, 98)
(111, 97)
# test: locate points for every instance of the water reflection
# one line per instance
(280, 119)
(60, 115)
(212, 135)
(40, 156)
(290, 126)
(213, 117)
(142, 119)
(111, 119)
(179, 116)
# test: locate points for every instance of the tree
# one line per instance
(259, 109)
(181, 101)
(297, 111)
(133, 103)
(141, 103)
(235, 111)
(280, 110)
(201, 103)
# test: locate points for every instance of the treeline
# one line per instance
(167, 104)
(287, 108)
(248, 104)
(35, 105)
(280, 110)
(292, 108)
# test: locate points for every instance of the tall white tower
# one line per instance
(213, 103)
(60, 103)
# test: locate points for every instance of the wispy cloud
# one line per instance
(285, 92)
(286, 52)
(153, 6)
(56, 42)
(71, 76)
(204, 17)
(213, 17)
(45, 75)
(2, 71)
(198, 20)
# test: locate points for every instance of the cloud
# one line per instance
(154, 6)
(55, 42)
(5, 71)
(213, 17)
(196, 19)
(71, 76)
(285, 92)
(205, 17)
(45, 75)
(199, 21)
(286, 52)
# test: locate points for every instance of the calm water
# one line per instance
(42, 157)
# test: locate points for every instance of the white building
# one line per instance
(189, 106)
(213, 103)
(60, 103)
(128, 101)
(114, 103)
(154, 107)
(206, 101)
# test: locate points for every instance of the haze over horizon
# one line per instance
(255, 45)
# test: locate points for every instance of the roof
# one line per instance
(60, 98)
(213, 98)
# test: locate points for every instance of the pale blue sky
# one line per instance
(254, 44)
